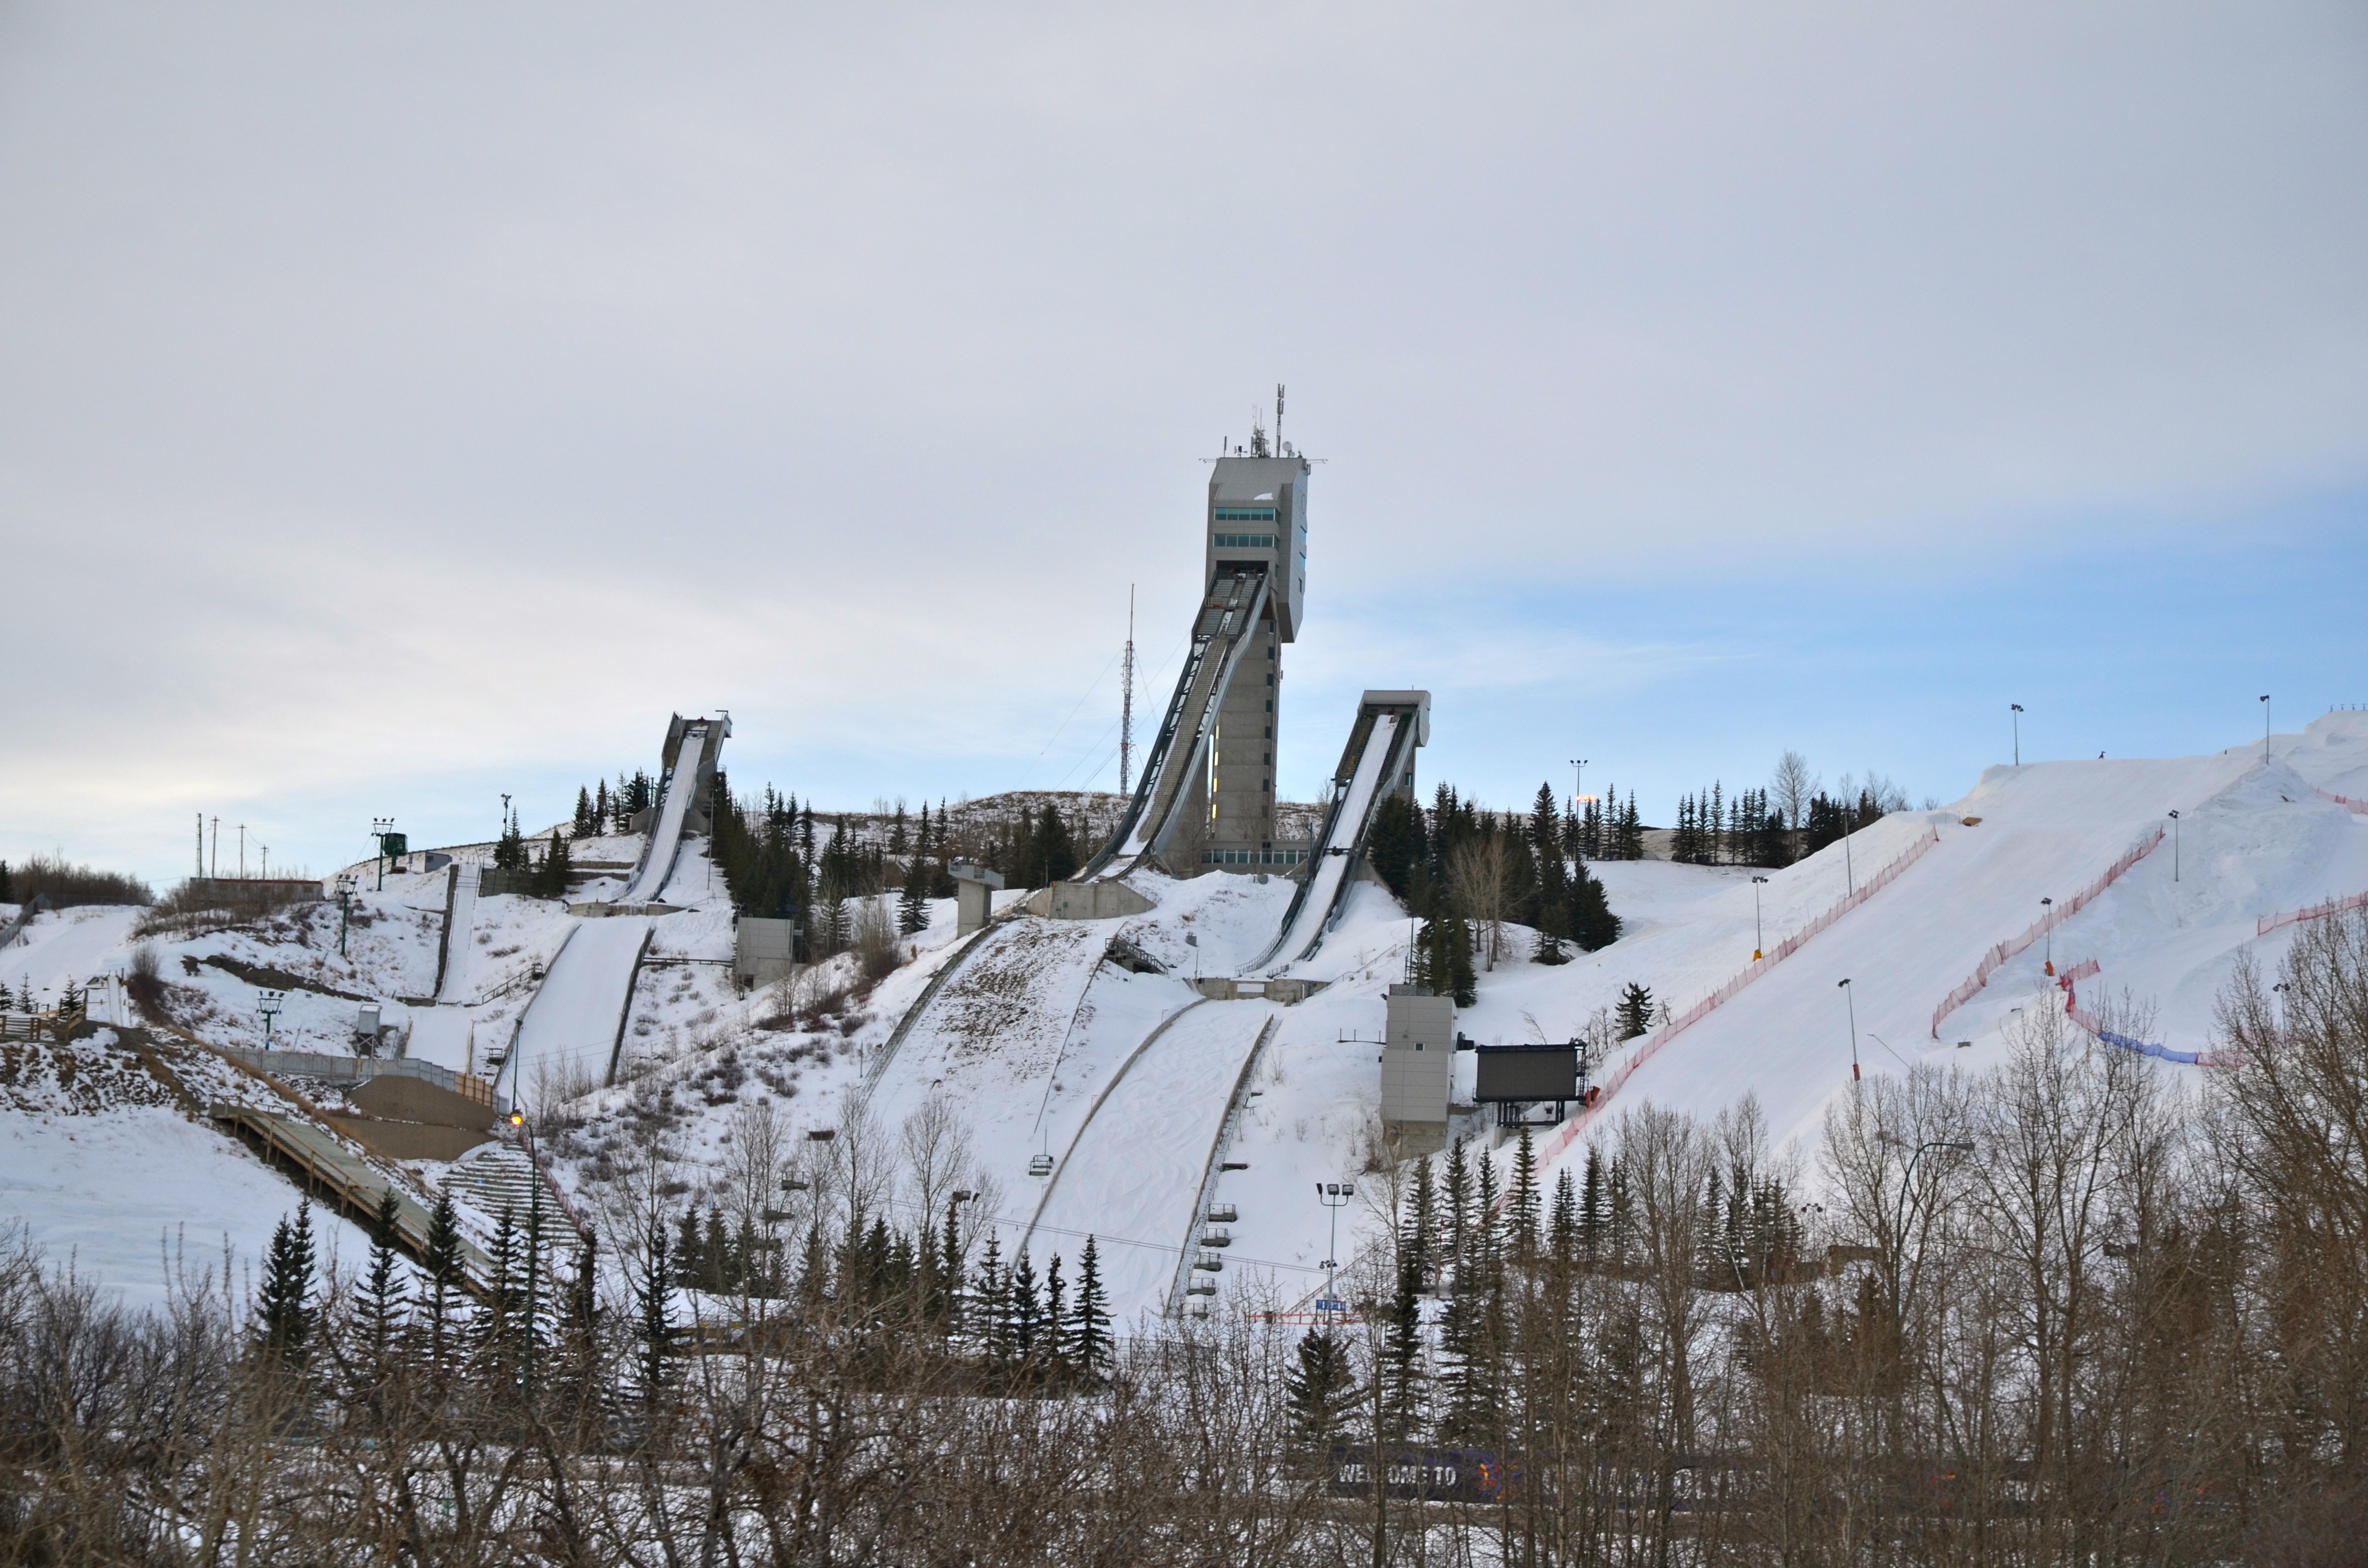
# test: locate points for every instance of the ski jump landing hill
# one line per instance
(577, 1017)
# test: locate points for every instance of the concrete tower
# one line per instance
(1258, 517)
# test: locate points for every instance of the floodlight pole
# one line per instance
(2174, 846)
(1577, 782)
(2017, 721)
(380, 828)
(1852, 1004)
(1758, 937)
(2049, 905)
(1334, 1195)
(2265, 726)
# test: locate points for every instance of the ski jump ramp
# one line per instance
(575, 1024)
(1377, 763)
(1177, 758)
(689, 754)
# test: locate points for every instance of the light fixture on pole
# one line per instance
(1853, 1023)
(1757, 936)
(2174, 846)
(1334, 1195)
(1577, 782)
(344, 908)
(380, 828)
(2265, 726)
(2049, 905)
(266, 1007)
(2016, 723)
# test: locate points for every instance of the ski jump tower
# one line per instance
(1206, 794)
(1256, 523)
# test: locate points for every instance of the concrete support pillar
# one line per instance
(975, 890)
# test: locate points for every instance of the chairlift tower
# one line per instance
(1257, 521)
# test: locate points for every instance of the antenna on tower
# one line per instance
(1126, 698)
(1278, 416)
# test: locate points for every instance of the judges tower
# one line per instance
(1258, 521)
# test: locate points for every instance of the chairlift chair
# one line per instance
(1201, 1287)
(1039, 1165)
(1208, 1261)
(1216, 1236)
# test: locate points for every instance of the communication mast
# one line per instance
(1126, 699)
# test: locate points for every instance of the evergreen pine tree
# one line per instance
(1461, 981)
(1593, 1216)
(378, 1301)
(586, 823)
(1459, 1199)
(7, 884)
(995, 1303)
(442, 1265)
(1521, 1201)
(1421, 1225)
(551, 877)
(896, 830)
(653, 1312)
(1027, 1311)
(1553, 929)
(1591, 923)
(1561, 1223)
(497, 1321)
(913, 904)
(1054, 1345)
(1089, 1351)
(1394, 846)
(1401, 1374)
(1321, 1388)
(1635, 1011)
(284, 1306)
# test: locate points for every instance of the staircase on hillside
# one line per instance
(496, 1178)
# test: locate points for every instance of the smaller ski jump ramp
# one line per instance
(1377, 763)
(576, 1022)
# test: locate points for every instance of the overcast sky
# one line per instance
(401, 405)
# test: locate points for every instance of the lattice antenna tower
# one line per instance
(1126, 698)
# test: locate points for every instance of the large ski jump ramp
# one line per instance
(1222, 632)
(666, 832)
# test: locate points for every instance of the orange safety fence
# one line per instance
(2056, 916)
(1601, 1095)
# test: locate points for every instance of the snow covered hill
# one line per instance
(1086, 1045)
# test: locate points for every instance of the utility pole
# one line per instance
(1126, 699)
(242, 851)
(201, 845)
(217, 854)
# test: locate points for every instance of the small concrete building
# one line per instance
(763, 950)
(1418, 1068)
